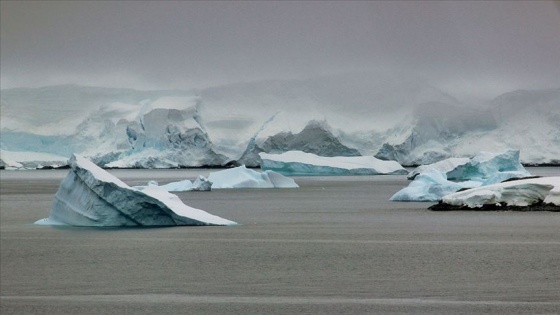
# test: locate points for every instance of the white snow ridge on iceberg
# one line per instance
(298, 163)
(90, 196)
(521, 193)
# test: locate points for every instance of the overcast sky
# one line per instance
(483, 48)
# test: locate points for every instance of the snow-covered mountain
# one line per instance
(386, 116)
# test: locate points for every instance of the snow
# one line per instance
(432, 182)
(523, 192)
(90, 196)
(298, 163)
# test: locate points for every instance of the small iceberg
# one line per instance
(242, 177)
(298, 163)
(238, 177)
(199, 184)
(524, 194)
(90, 196)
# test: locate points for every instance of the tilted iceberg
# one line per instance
(90, 196)
(297, 163)
(521, 193)
(432, 182)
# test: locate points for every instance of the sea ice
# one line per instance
(90, 196)
(297, 163)
(523, 192)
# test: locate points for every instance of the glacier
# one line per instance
(519, 193)
(298, 163)
(432, 182)
(388, 116)
(90, 196)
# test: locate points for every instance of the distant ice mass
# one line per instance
(90, 196)
(434, 181)
(389, 116)
(30, 160)
(522, 193)
(297, 163)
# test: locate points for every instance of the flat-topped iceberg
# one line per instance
(298, 163)
(433, 181)
(517, 193)
(90, 196)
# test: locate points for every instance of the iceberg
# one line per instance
(199, 184)
(432, 182)
(242, 177)
(482, 166)
(90, 196)
(519, 193)
(487, 164)
(298, 163)
(431, 185)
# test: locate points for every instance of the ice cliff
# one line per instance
(90, 196)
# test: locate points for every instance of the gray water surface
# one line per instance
(336, 245)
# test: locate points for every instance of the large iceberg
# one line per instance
(90, 196)
(432, 182)
(297, 163)
(519, 193)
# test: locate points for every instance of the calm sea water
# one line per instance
(336, 245)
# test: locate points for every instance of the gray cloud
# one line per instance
(467, 47)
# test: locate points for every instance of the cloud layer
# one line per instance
(478, 48)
